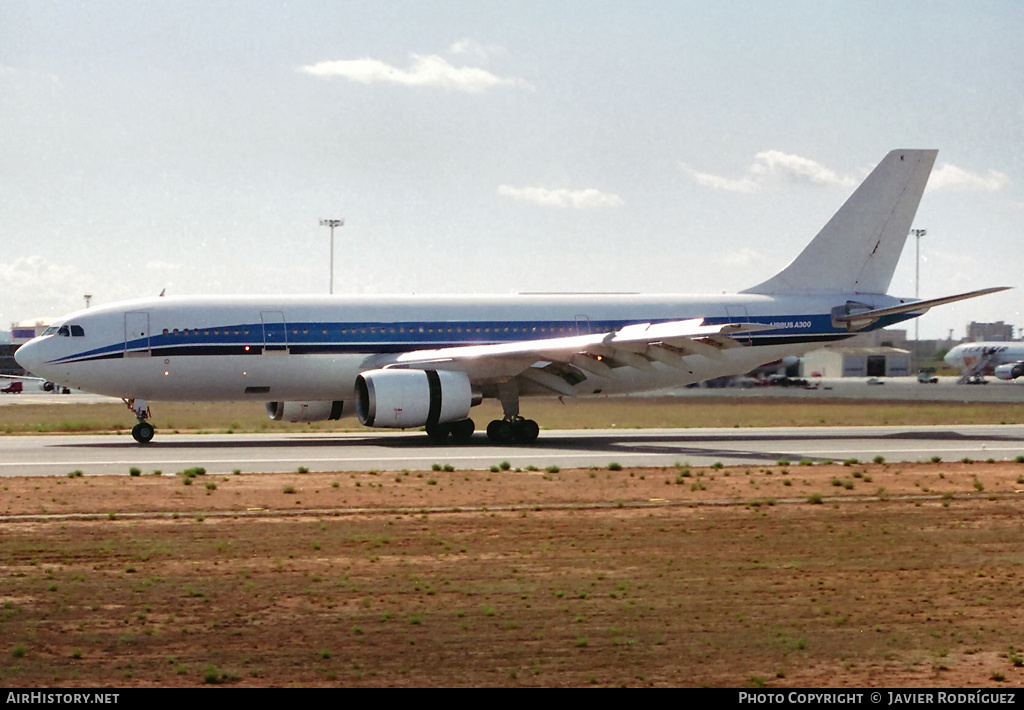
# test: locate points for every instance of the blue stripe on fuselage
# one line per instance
(387, 338)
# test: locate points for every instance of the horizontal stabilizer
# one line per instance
(861, 320)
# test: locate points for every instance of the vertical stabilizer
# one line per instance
(857, 251)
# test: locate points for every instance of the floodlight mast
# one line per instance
(917, 273)
(332, 223)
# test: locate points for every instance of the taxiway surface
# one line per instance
(59, 455)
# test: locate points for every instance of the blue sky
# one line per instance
(494, 146)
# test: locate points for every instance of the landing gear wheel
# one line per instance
(438, 433)
(526, 431)
(492, 431)
(462, 430)
(143, 432)
(519, 431)
(501, 431)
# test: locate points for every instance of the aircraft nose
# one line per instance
(29, 357)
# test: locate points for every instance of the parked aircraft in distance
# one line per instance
(975, 360)
(425, 361)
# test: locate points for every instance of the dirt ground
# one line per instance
(854, 575)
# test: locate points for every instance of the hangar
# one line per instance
(856, 362)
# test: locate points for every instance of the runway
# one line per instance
(268, 453)
(856, 388)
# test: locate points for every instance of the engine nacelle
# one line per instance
(317, 411)
(412, 398)
(1010, 371)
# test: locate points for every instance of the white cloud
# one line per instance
(34, 272)
(432, 71)
(15, 75)
(950, 177)
(746, 184)
(37, 288)
(772, 167)
(474, 48)
(742, 258)
(580, 199)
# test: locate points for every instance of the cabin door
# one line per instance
(275, 334)
(136, 334)
(582, 324)
(738, 314)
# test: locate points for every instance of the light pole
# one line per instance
(332, 223)
(917, 274)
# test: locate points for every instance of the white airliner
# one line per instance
(425, 361)
(1004, 360)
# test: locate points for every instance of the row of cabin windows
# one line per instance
(373, 330)
(206, 331)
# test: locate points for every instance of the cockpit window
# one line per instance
(66, 331)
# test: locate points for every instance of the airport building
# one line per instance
(8, 365)
(986, 332)
(845, 361)
(26, 330)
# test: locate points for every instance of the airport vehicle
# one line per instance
(19, 381)
(926, 376)
(424, 361)
(975, 360)
(16, 387)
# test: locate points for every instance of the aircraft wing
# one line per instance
(16, 383)
(637, 345)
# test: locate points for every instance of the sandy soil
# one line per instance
(877, 575)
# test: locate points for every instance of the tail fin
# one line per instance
(857, 251)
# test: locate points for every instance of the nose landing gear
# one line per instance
(143, 432)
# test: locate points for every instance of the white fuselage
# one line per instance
(313, 347)
(984, 356)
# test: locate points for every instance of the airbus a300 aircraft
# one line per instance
(1004, 360)
(425, 361)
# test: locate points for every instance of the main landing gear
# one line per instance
(460, 430)
(143, 432)
(499, 431)
(512, 428)
(516, 430)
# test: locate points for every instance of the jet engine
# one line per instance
(1010, 371)
(317, 411)
(403, 399)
